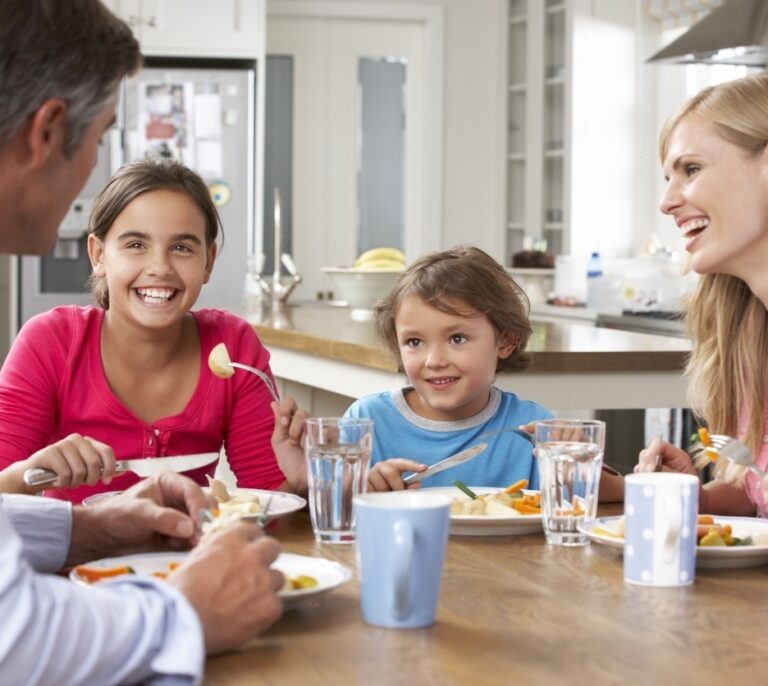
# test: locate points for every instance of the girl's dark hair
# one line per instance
(454, 281)
(131, 181)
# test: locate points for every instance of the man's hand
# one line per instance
(228, 581)
(159, 513)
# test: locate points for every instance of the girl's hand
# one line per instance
(388, 475)
(666, 455)
(76, 460)
(287, 442)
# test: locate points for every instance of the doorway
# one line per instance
(365, 166)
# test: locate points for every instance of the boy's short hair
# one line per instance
(452, 281)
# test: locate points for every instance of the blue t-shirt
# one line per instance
(399, 432)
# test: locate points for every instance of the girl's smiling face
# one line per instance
(717, 192)
(154, 258)
(450, 359)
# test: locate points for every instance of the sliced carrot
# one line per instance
(92, 574)
(517, 486)
(705, 519)
(704, 436)
(526, 509)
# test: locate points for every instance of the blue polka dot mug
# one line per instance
(660, 511)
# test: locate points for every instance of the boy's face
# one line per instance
(450, 359)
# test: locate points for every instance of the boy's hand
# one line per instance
(287, 442)
(388, 475)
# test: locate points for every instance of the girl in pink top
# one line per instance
(715, 158)
(83, 386)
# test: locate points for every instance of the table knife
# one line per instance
(147, 466)
(447, 463)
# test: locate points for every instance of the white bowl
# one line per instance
(360, 288)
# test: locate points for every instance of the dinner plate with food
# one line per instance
(251, 503)
(492, 511)
(305, 577)
(723, 542)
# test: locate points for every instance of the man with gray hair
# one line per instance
(61, 62)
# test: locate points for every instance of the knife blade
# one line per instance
(447, 463)
(147, 466)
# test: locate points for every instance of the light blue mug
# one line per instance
(660, 511)
(401, 539)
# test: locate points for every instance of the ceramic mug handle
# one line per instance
(673, 510)
(403, 539)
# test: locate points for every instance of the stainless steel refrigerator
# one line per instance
(201, 112)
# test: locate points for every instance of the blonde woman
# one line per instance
(715, 159)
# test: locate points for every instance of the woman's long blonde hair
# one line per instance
(728, 324)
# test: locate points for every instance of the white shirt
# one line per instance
(53, 631)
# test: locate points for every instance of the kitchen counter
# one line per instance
(574, 366)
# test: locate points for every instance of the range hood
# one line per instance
(736, 32)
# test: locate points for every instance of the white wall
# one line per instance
(474, 130)
(604, 116)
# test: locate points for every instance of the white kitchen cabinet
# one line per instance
(538, 101)
(195, 28)
(572, 115)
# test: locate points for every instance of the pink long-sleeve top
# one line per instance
(752, 483)
(52, 384)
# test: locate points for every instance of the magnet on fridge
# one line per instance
(220, 193)
(230, 117)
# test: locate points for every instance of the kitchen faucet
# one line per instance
(275, 288)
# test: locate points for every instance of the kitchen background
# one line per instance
(502, 123)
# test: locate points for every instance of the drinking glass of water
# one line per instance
(338, 453)
(570, 457)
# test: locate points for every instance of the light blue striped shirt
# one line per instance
(56, 632)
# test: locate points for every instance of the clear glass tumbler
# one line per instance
(570, 457)
(338, 454)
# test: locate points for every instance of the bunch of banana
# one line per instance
(380, 259)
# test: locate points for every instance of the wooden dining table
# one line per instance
(515, 610)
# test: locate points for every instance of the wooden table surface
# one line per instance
(514, 610)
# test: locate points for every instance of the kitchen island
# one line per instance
(325, 357)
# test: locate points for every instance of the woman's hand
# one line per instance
(76, 459)
(287, 442)
(388, 475)
(665, 455)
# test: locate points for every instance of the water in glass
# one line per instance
(336, 473)
(569, 476)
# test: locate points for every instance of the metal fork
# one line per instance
(262, 516)
(508, 429)
(267, 381)
(734, 450)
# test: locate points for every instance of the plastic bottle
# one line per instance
(594, 281)
(595, 266)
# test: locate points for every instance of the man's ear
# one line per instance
(96, 254)
(46, 131)
(507, 345)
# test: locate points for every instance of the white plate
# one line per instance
(713, 557)
(329, 574)
(485, 525)
(282, 503)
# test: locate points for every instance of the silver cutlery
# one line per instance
(734, 450)
(508, 429)
(447, 463)
(147, 466)
(267, 381)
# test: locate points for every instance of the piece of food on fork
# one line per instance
(737, 457)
